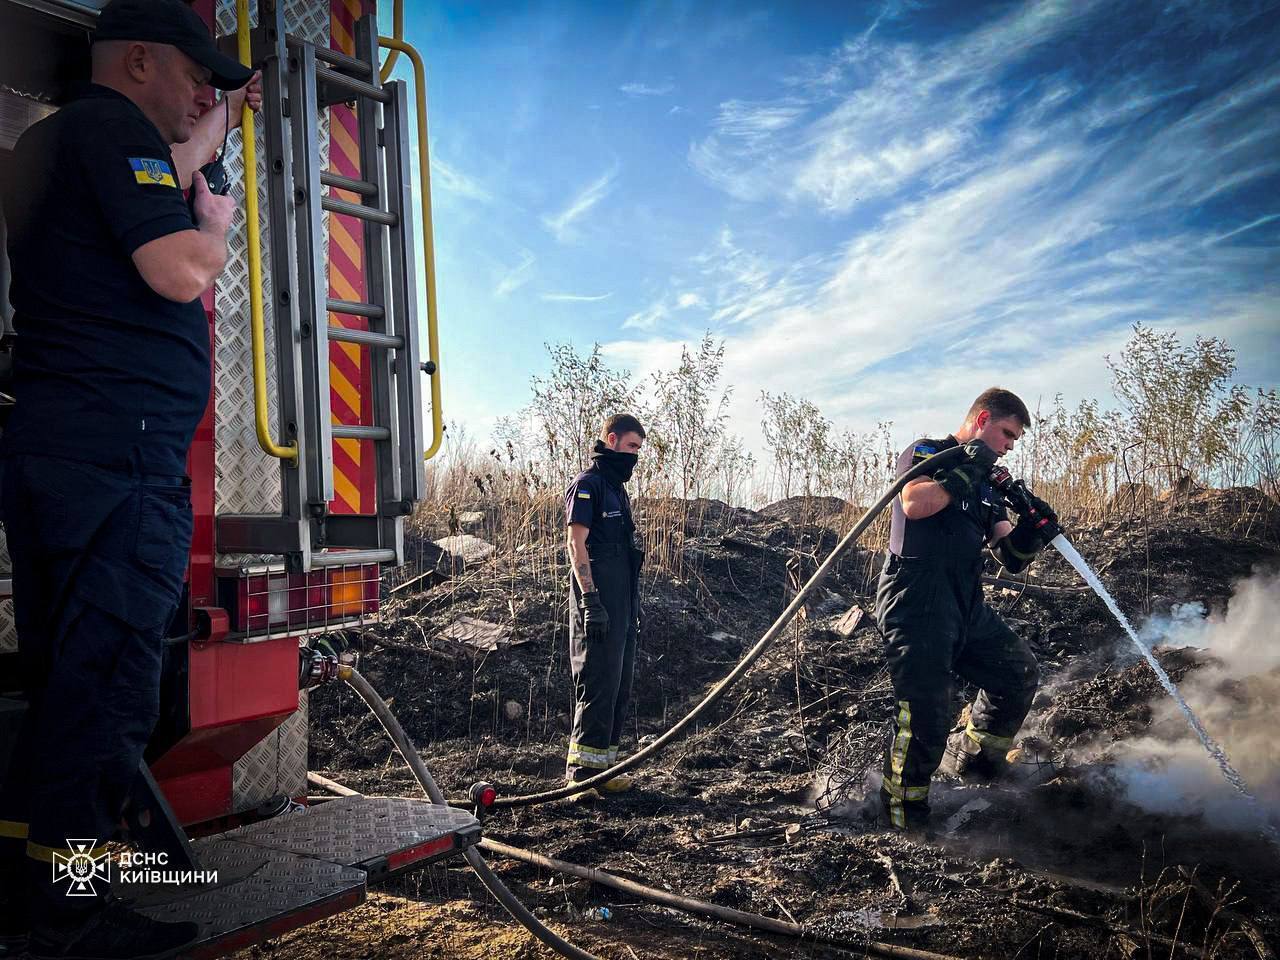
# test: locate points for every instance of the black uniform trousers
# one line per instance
(603, 666)
(98, 564)
(936, 624)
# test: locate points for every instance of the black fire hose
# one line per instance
(518, 910)
(938, 461)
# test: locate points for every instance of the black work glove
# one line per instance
(595, 618)
(961, 480)
(1043, 509)
(1026, 541)
(980, 454)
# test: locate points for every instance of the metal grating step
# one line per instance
(365, 831)
(281, 874)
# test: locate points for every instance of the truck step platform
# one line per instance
(280, 874)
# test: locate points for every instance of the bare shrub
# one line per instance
(1184, 413)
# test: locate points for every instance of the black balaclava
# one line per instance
(614, 464)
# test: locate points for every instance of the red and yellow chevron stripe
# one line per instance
(349, 374)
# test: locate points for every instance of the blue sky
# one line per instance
(884, 207)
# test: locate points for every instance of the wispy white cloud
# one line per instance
(1260, 222)
(649, 317)
(648, 90)
(875, 118)
(450, 178)
(1038, 239)
(575, 297)
(562, 223)
(514, 278)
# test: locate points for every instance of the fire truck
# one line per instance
(305, 466)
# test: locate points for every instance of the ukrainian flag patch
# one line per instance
(583, 495)
(152, 173)
(923, 451)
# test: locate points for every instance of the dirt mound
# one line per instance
(696, 516)
(1246, 510)
(806, 509)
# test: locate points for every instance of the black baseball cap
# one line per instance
(174, 23)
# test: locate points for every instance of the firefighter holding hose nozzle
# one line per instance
(932, 614)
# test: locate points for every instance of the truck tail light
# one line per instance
(276, 602)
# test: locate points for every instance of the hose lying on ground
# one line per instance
(938, 461)
(518, 910)
(690, 905)
(672, 900)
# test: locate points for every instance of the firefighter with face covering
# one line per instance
(604, 591)
(934, 619)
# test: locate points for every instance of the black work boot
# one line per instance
(115, 932)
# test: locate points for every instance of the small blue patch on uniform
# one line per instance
(583, 495)
(151, 172)
(922, 451)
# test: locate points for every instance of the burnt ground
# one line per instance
(760, 809)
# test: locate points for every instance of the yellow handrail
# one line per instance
(428, 245)
(257, 325)
(397, 33)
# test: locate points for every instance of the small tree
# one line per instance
(798, 436)
(734, 469)
(859, 473)
(570, 404)
(1182, 407)
(689, 415)
(1258, 456)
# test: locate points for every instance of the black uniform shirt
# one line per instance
(956, 532)
(106, 370)
(602, 506)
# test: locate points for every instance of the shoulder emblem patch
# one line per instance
(923, 450)
(583, 495)
(152, 173)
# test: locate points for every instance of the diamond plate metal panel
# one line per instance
(357, 830)
(276, 766)
(8, 630)
(291, 744)
(278, 874)
(248, 481)
(255, 886)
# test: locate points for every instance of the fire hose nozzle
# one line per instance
(1019, 500)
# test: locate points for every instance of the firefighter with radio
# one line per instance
(604, 592)
(935, 622)
(112, 375)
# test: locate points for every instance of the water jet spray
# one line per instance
(1019, 500)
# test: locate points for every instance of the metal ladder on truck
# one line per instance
(299, 80)
(268, 877)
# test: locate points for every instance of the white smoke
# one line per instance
(1235, 694)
